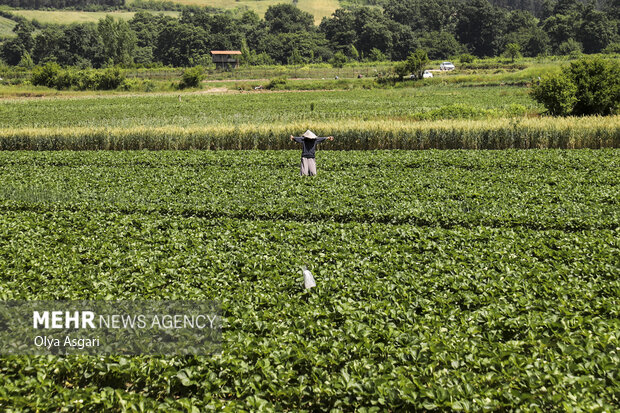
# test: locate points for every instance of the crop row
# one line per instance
(451, 280)
(593, 132)
(402, 318)
(534, 189)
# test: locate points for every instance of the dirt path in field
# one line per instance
(76, 95)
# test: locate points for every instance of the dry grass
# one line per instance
(67, 17)
(318, 8)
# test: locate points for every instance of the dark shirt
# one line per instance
(309, 145)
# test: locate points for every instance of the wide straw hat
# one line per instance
(309, 134)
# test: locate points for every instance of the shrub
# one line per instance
(65, 79)
(45, 75)
(557, 93)
(376, 55)
(86, 80)
(192, 77)
(570, 48)
(276, 83)
(338, 60)
(467, 58)
(414, 64)
(109, 79)
(598, 86)
(512, 51)
(52, 75)
(585, 87)
(612, 48)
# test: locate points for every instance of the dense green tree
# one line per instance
(24, 31)
(422, 15)
(561, 28)
(286, 18)
(519, 20)
(338, 60)
(340, 29)
(403, 41)
(14, 49)
(414, 64)
(365, 28)
(534, 7)
(181, 44)
(441, 45)
(568, 7)
(376, 56)
(533, 41)
(444, 28)
(480, 27)
(588, 86)
(73, 45)
(569, 47)
(119, 41)
(196, 16)
(47, 44)
(596, 31)
(147, 27)
(374, 34)
(61, 4)
(311, 46)
(82, 45)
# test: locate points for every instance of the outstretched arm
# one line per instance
(329, 138)
(297, 138)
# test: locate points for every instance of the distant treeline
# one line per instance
(543, 8)
(287, 35)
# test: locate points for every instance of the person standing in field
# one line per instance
(309, 141)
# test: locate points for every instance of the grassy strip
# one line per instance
(520, 133)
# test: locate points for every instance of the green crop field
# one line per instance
(436, 116)
(70, 16)
(451, 280)
(281, 107)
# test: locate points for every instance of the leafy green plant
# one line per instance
(512, 51)
(443, 277)
(192, 77)
(276, 83)
(467, 58)
(414, 64)
(108, 79)
(339, 60)
(53, 76)
(45, 75)
(557, 93)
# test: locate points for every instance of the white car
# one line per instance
(447, 66)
